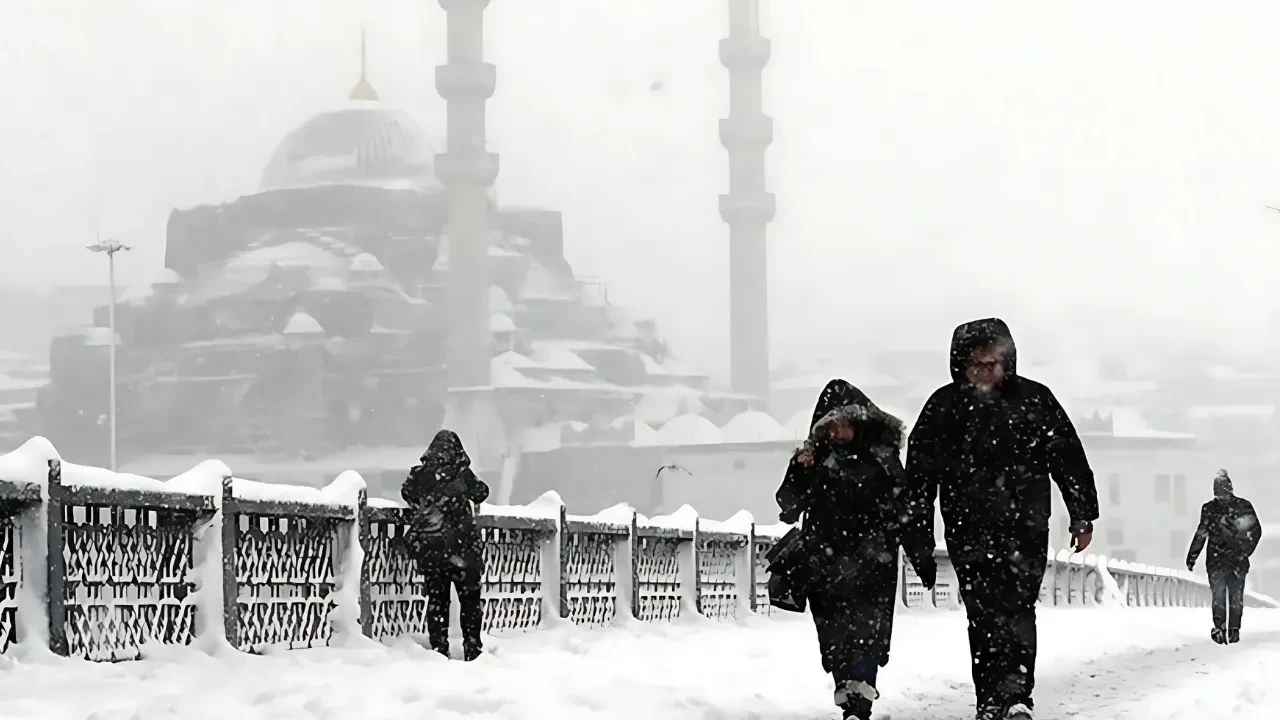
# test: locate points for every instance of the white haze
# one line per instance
(1098, 166)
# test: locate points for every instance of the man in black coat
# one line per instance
(989, 442)
(444, 540)
(1230, 526)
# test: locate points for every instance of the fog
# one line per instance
(1095, 172)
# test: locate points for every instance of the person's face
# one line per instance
(840, 431)
(986, 368)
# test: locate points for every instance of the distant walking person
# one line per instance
(444, 539)
(989, 442)
(1230, 526)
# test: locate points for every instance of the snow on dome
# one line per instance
(303, 324)
(501, 323)
(798, 426)
(362, 144)
(753, 426)
(168, 276)
(366, 263)
(499, 301)
(646, 435)
(690, 430)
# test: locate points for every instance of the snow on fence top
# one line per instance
(213, 560)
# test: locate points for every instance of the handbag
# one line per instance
(789, 573)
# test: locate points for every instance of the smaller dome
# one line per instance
(754, 426)
(366, 263)
(690, 430)
(168, 276)
(303, 324)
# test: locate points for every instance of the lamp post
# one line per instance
(111, 247)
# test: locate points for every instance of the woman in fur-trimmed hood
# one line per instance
(847, 482)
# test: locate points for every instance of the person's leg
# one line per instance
(438, 602)
(1218, 594)
(983, 628)
(1024, 584)
(1235, 604)
(471, 611)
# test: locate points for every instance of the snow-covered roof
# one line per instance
(690, 430)
(366, 263)
(754, 426)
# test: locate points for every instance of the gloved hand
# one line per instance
(1191, 566)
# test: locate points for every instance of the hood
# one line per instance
(446, 452)
(981, 333)
(1222, 485)
(875, 426)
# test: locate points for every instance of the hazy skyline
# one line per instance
(1101, 155)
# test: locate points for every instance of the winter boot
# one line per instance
(1018, 711)
(990, 712)
(851, 689)
(470, 651)
(1233, 636)
(859, 708)
(1218, 635)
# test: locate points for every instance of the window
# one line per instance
(1162, 488)
(1180, 494)
(1115, 535)
(1113, 488)
(739, 464)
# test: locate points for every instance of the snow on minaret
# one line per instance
(363, 90)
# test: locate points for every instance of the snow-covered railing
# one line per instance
(101, 565)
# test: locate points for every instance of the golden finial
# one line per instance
(363, 90)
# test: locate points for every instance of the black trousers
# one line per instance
(439, 579)
(1000, 590)
(1227, 587)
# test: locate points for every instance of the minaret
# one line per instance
(363, 90)
(467, 170)
(748, 208)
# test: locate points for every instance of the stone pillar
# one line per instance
(748, 207)
(467, 171)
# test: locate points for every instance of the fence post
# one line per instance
(690, 574)
(55, 563)
(363, 536)
(230, 587)
(751, 567)
(562, 533)
(633, 566)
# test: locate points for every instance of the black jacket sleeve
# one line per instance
(1069, 465)
(477, 490)
(925, 466)
(1202, 534)
(793, 494)
(415, 487)
(917, 542)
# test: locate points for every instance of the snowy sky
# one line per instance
(1100, 154)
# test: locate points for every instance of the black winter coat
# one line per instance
(1230, 527)
(442, 493)
(855, 516)
(991, 457)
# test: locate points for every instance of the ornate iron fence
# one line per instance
(124, 569)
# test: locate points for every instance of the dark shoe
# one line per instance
(990, 712)
(1233, 636)
(1218, 636)
(858, 708)
(471, 652)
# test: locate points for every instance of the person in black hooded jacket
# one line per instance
(847, 481)
(989, 442)
(1230, 526)
(444, 539)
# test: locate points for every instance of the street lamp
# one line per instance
(111, 247)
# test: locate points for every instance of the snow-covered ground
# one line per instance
(1139, 664)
